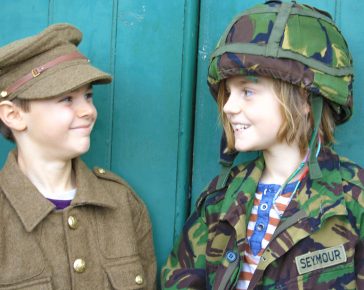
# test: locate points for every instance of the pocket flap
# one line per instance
(126, 275)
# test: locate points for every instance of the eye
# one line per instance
(89, 96)
(248, 92)
(68, 99)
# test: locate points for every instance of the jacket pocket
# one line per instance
(126, 274)
(38, 284)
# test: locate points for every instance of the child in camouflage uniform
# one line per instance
(62, 225)
(292, 218)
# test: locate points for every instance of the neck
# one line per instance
(280, 163)
(47, 175)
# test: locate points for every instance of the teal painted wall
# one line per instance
(158, 125)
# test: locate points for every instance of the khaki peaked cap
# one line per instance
(46, 65)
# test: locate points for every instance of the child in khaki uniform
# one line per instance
(62, 225)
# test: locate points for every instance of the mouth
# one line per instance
(82, 128)
(240, 127)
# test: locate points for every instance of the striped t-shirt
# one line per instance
(263, 221)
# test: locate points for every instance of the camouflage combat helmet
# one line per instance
(292, 42)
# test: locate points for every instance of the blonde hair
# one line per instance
(297, 124)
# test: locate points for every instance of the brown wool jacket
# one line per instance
(103, 240)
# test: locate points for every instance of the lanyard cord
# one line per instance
(293, 175)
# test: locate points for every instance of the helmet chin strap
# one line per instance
(316, 105)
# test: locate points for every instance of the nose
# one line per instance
(232, 105)
(86, 109)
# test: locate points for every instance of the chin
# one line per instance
(81, 149)
(241, 147)
(244, 147)
(84, 150)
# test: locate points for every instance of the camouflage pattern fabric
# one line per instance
(291, 42)
(319, 243)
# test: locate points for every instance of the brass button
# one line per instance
(3, 94)
(79, 265)
(101, 170)
(72, 222)
(139, 279)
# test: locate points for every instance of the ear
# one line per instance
(307, 108)
(12, 116)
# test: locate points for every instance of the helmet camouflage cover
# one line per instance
(292, 42)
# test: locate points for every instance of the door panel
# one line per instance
(147, 92)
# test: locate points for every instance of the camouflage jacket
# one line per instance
(319, 243)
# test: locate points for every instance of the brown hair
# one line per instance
(296, 125)
(5, 130)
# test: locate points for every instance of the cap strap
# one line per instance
(38, 70)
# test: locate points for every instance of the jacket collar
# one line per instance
(29, 203)
(323, 197)
(89, 188)
(239, 196)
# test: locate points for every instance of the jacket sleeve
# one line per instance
(359, 265)
(185, 267)
(354, 187)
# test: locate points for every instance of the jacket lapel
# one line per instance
(233, 221)
(239, 198)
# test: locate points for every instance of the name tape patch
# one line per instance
(320, 259)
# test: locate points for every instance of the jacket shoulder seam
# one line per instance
(107, 175)
(349, 172)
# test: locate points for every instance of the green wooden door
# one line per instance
(144, 126)
(158, 124)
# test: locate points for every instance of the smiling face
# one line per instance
(254, 113)
(59, 127)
